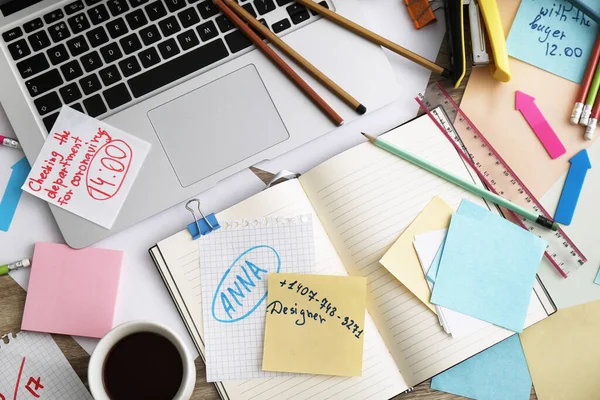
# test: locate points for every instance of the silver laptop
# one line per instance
(179, 75)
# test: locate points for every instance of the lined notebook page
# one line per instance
(381, 378)
(365, 197)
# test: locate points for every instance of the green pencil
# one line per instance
(469, 186)
(591, 98)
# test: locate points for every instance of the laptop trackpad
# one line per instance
(218, 125)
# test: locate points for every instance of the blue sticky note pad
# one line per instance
(488, 267)
(553, 35)
(435, 264)
(498, 373)
(597, 280)
(12, 193)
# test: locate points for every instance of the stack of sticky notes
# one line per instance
(72, 292)
(484, 268)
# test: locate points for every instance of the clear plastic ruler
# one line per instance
(497, 175)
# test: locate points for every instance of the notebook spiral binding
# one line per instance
(265, 221)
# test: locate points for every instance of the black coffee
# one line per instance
(143, 365)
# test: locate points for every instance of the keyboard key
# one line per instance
(322, 3)
(33, 25)
(94, 106)
(177, 68)
(136, 19)
(150, 35)
(207, 9)
(283, 2)
(188, 39)
(53, 16)
(130, 44)
(70, 93)
(32, 65)
(116, 28)
(19, 49)
(78, 23)
(47, 103)
(237, 41)
(73, 7)
(155, 10)
(77, 46)
(97, 36)
(49, 121)
(117, 7)
(116, 96)
(91, 61)
(281, 26)
(44, 82)
(264, 6)
(71, 70)
(110, 75)
(98, 14)
(59, 32)
(224, 23)
(111, 52)
(169, 26)
(78, 107)
(90, 84)
(298, 12)
(16, 33)
(248, 7)
(39, 40)
(129, 66)
(149, 57)
(168, 48)
(58, 54)
(137, 3)
(188, 17)
(207, 31)
(175, 5)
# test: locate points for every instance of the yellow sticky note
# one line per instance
(402, 260)
(563, 353)
(315, 324)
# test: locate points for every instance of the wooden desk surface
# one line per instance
(13, 302)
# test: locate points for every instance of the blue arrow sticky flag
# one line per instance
(580, 163)
(12, 194)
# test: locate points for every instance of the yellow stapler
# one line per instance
(487, 38)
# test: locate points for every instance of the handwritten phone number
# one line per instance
(324, 304)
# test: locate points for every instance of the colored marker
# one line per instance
(539, 125)
(591, 98)
(469, 186)
(5, 269)
(8, 142)
(586, 82)
(580, 164)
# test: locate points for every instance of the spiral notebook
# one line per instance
(361, 201)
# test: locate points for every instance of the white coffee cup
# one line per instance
(96, 365)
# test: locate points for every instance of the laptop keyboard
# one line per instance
(100, 56)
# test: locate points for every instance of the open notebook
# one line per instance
(361, 200)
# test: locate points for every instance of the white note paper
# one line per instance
(34, 367)
(234, 263)
(455, 323)
(86, 167)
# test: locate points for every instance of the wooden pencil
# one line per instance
(294, 55)
(586, 83)
(374, 38)
(279, 62)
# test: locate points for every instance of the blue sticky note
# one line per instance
(488, 267)
(12, 193)
(498, 373)
(553, 35)
(435, 264)
(597, 280)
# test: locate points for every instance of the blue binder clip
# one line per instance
(201, 226)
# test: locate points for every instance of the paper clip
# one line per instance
(201, 226)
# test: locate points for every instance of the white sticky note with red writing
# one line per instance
(87, 167)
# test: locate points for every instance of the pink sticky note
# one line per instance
(72, 292)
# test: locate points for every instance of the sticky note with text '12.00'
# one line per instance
(315, 324)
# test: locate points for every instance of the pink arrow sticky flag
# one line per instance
(539, 125)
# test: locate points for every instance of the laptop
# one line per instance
(179, 75)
